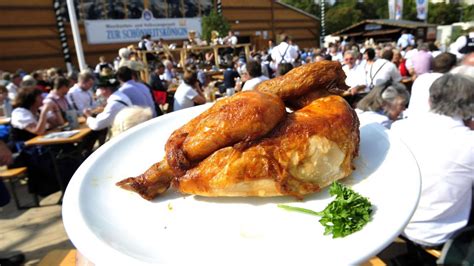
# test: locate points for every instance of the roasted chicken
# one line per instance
(311, 148)
(246, 145)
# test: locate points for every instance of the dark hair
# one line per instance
(443, 62)
(254, 69)
(387, 54)
(26, 97)
(190, 77)
(109, 82)
(60, 82)
(124, 74)
(3, 89)
(453, 95)
(284, 68)
(370, 53)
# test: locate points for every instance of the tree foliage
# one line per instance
(342, 16)
(212, 22)
(307, 6)
(409, 10)
(444, 14)
(467, 13)
(345, 13)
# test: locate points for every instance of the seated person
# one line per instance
(80, 95)
(384, 104)
(137, 91)
(57, 98)
(254, 69)
(443, 147)
(230, 76)
(188, 92)
(158, 85)
(29, 117)
(116, 101)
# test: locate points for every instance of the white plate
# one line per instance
(111, 226)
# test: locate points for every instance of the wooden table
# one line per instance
(4, 120)
(57, 151)
(40, 140)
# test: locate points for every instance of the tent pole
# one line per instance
(76, 35)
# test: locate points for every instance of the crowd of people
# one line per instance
(412, 88)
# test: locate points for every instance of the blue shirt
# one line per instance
(139, 94)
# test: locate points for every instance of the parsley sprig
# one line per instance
(346, 214)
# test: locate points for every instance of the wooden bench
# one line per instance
(59, 257)
(13, 176)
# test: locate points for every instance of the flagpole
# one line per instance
(76, 35)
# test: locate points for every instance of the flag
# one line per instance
(398, 9)
(391, 9)
(422, 9)
(395, 9)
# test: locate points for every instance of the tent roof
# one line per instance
(389, 22)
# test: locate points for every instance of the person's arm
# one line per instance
(102, 120)
(40, 127)
(199, 98)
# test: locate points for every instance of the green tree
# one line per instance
(212, 22)
(373, 9)
(307, 6)
(409, 10)
(342, 16)
(443, 14)
(467, 13)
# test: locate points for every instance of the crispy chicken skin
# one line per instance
(319, 76)
(244, 117)
(311, 148)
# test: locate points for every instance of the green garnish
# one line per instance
(346, 214)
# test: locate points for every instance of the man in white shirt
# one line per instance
(382, 70)
(230, 39)
(116, 101)
(254, 69)
(443, 147)
(80, 95)
(283, 53)
(355, 76)
(188, 94)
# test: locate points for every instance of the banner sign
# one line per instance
(131, 30)
(422, 9)
(395, 9)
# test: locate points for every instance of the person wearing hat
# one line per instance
(116, 101)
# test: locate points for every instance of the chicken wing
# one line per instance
(311, 148)
(244, 117)
(319, 76)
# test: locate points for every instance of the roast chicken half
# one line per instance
(248, 145)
